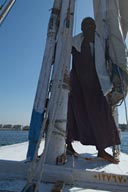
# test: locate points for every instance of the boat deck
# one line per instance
(80, 174)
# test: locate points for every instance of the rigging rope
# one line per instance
(1, 6)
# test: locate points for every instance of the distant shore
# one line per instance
(10, 127)
(7, 129)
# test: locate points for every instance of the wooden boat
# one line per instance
(85, 172)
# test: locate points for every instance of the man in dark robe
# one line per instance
(90, 119)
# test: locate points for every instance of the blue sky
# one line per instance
(22, 43)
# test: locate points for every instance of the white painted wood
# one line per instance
(82, 174)
(57, 85)
(44, 77)
(45, 73)
(43, 83)
(62, 67)
(77, 173)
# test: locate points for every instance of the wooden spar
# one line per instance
(48, 58)
(6, 10)
(62, 67)
(43, 83)
(56, 99)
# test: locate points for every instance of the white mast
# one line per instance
(42, 91)
(57, 106)
(62, 67)
(44, 78)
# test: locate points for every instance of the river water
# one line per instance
(12, 137)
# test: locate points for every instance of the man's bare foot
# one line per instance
(71, 151)
(103, 154)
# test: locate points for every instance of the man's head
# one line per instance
(88, 26)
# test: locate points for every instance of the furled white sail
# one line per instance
(111, 19)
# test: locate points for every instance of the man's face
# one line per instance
(88, 26)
